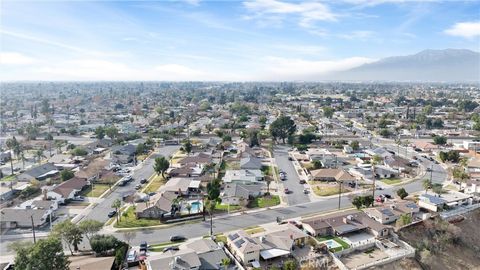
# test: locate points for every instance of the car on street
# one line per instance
(388, 196)
(132, 255)
(151, 194)
(429, 169)
(306, 191)
(172, 248)
(143, 181)
(78, 198)
(287, 191)
(290, 158)
(178, 238)
(379, 188)
(143, 246)
(138, 186)
(302, 181)
(112, 213)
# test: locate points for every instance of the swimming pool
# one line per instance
(195, 207)
(331, 244)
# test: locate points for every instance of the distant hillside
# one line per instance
(450, 65)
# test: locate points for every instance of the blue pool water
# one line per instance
(195, 207)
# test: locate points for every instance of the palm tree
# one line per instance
(226, 262)
(117, 204)
(375, 160)
(427, 185)
(39, 155)
(23, 159)
(189, 208)
(210, 207)
(11, 144)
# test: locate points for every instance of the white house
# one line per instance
(243, 176)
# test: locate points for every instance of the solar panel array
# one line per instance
(233, 236)
(239, 243)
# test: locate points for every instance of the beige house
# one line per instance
(389, 213)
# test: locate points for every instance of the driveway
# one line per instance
(297, 196)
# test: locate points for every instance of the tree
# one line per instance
(355, 145)
(66, 174)
(438, 188)
(289, 265)
(328, 112)
(187, 146)
(253, 137)
(376, 159)
(403, 220)
(100, 132)
(43, 255)
(440, 140)
(117, 204)
(90, 227)
(12, 144)
(226, 262)
(402, 193)
(102, 243)
(79, 151)
(427, 185)
(210, 207)
(460, 174)
(39, 155)
(161, 165)
(111, 132)
(68, 232)
(140, 149)
(268, 181)
(282, 128)
(358, 202)
(317, 164)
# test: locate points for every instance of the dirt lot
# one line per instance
(441, 245)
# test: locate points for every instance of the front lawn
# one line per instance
(162, 246)
(154, 184)
(267, 170)
(391, 181)
(129, 220)
(265, 201)
(8, 178)
(328, 190)
(255, 230)
(225, 207)
(98, 189)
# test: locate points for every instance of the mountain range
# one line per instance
(449, 65)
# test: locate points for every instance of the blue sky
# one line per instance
(221, 40)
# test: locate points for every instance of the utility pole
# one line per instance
(339, 193)
(33, 230)
(431, 174)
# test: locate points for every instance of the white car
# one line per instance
(132, 255)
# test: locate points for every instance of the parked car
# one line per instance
(306, 191)
(143, 181)
(143, 246)
(112, 213)
(429, 169)
(78, 198)
(173, 248)
(287, 191)
(379, 188)
(290, 158)
(138, 186)
(151, 194)
(132, 255)
(302, 181)
(177, 238)
(388, 196)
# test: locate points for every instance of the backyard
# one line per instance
(343, 244)
(129, 220)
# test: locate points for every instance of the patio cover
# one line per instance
(256, 264)
(273, 253)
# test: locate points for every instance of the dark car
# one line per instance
(290, 158)
(112, 213)
(173, 248)
(143, 246)
(388, 196)
(177, 238)
(143, 181)
(78, 198)
(151, 194)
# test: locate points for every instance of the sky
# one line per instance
(262, 40)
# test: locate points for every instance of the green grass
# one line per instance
(154, 184)
(343, 244)
(267, 201)
(98, 189)
(8, 178)
(255, 230)
(267, 170)
(391, 181)
(131, 221)
(328, 190)
(162, 246)
(225, 207)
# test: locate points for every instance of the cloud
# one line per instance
(464, 29)
(299, 69)
(307, 12)
(357, 35)
(301, 49)
(14, 58)
(93, 69)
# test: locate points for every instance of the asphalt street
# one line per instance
(296, 196)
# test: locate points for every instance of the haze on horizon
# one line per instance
(272, 40)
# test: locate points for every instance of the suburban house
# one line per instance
(200, 159)
(380, 151)
(202, 254)
(234, 193)
(243, 176)
(328, 159)
(426, 146)
(279, 243)
(40, 172)
(162, 203)
(450, 199)
(382, 171)
(332, 175)
(389, 213)
(471, 186)
(251, 163)
(123, 154)
(93, 170)
(22, 218)
(67, 190)
(344, 223)
(189, 170)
